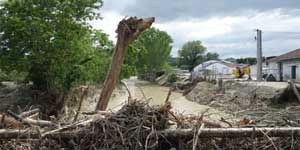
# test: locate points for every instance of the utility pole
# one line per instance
(259, 55)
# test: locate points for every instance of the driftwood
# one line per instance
(104, 113)
(67, 127)
(169, 133)
(130, 98)
(84, 94)
(128, 30)
(234, 132)
(29, 113)
(30, 121)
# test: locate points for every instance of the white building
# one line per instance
(217, 68)
(286, 66)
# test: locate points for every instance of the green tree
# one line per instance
(231, 59)
(172, 61)
(211, 56)
(191, 54)
(154, 47)
(247, 60)
(50, 40)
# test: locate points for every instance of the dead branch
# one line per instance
(84, 94)
(225, 121)
(105, 113)
(29, 113)
(130, 98)
(67, 127)
(169, 94)
(234, 132)
(128, 30)
(29, 121)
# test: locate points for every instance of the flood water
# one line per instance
(156, 95)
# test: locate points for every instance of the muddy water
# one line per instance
(156, 95)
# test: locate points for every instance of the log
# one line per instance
(30, 121)
(128, 30)
(169, 133)
(41, 123)
(234, 132)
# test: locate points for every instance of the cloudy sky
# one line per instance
(224, 26)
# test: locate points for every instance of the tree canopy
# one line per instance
(246, 60)
(154, 47)
(51, 40)
(211, 56)
(191, 54)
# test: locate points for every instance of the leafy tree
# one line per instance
(154, 47)
(191, 54)
(130, 63)
(247, 60)
(50, 40)
(231, 59)
(211, 56)
(172, 61)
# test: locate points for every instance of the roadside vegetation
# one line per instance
(51, 45)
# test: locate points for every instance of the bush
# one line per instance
(172, 78)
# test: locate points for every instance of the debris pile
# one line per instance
(139, 126)
(268, 106)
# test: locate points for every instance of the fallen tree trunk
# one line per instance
(169, 133)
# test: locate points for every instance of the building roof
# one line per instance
(210, 62)
(287, 56)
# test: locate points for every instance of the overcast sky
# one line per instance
(224, 26)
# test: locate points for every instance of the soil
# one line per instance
(266, 104)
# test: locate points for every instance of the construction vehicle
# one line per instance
(241, 71)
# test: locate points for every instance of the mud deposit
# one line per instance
(267, 105)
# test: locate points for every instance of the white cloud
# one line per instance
(108, 24)
(227, 35)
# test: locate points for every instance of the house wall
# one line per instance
(273, 68)
(287, 69)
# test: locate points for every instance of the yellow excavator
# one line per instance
(241, 71)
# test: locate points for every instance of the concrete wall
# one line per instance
(287, 69)
(273, 68)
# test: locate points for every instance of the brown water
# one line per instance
(155, 95)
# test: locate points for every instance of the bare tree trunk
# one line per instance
(128, 30)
